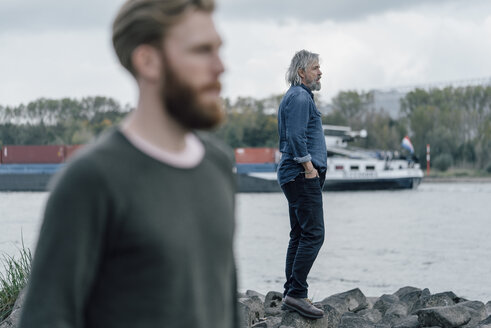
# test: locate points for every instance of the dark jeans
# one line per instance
(307, 231)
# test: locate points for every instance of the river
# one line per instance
(435, 237)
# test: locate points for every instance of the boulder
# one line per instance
(486, 323)
(406, 290)
(435, 300)
(371, 315)
(395, 314)
(251, 310)
(272, 303)
(350, 301)
(476, 309)
(333, 315)
(293, 319)
(272, 322)
(241, 295)
(407, 322)
(385, 302)
(250, 293)
(446, 317)
(409, 296)
(354, 320)
(371, 302)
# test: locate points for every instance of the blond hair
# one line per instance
(146, 22)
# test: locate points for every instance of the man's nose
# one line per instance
(218, 66)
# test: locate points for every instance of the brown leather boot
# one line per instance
(303, 306)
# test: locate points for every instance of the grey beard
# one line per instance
(315, 86)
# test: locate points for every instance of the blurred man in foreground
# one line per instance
(301, 175)
(138, 229)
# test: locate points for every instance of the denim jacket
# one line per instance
(301, 134)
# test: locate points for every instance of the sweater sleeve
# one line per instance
(68, 251)
(297, 119)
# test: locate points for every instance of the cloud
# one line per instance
(314, 10)
(62, 48)
(388, 50)
(28, 15)
(60, 64)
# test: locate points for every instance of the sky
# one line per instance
(56, 49)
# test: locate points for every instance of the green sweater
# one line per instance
(128, 241)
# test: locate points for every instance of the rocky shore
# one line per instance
(409, 307)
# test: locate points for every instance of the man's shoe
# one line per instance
(303, 306)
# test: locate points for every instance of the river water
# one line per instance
(435, 237)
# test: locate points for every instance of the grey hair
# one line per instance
(301, 60)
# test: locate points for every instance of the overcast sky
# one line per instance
(57, 49)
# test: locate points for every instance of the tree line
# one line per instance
(456, 122)
(58, 121)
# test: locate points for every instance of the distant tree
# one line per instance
(453, 121)
(58, 121)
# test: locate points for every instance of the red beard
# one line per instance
(182, 102)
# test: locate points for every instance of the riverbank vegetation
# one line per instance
(13, 279)
(455, 122)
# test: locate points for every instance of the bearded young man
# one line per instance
(301, 175)
(138, 229)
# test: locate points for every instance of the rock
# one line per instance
(371, 315)
(446, 317)
(293, 319)
(333, 316)
(395, 314)
(488, 308)
(272, 303)
(272, 322)
(476, 309)
(385, 302)
(410, 295)
(331, 319)
(250, 311)
(435, 300)
(371, 301)
(350, 301)
(408, 322)
(250, 293)
(353, 320)
(411, 298)
(406, 290)
(486, 323)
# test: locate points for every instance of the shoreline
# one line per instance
(430, 179)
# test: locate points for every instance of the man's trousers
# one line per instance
(307, 231)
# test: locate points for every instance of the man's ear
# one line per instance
(301, 73)
(147, 62)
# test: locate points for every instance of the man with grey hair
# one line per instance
(301, 175)
(138, 229)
